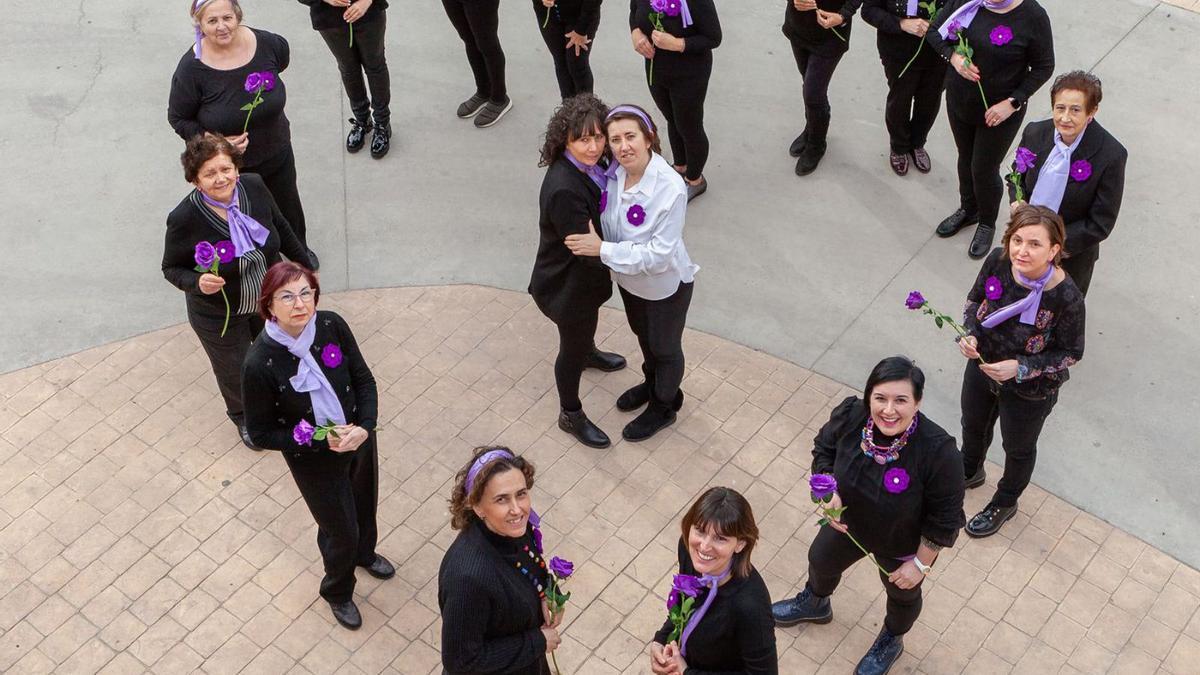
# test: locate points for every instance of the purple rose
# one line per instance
(673, 8)
(225, 251)
(1001, 35)
(636, 215)
(822, 486)
(992, 289)
(268, 80)
(561, 569)
(603, 200)
(895, 480)
(658, 5)
(672, 599)
(1025, 159)
(537, 539)
(1081, 170)
(686, 584)
(253, 82)
(953, 28)
(205, 254)
(915, 300)
(303, 432)
(331, 355)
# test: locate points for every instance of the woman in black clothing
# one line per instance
(354, 31)
(819, 31)
(491, 584)
(478, 25)
(208, 91)
(898, 478)
(678, 67)
(568, 27)
(730, 629)
(310, 395)
(914, 94)
(569, 289)
(207, 215)
(1025, 319)
(1013, 57)
(1087, 171)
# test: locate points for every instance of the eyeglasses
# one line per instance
(305, 296)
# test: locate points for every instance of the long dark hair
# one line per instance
(576, 117)
(727, 512)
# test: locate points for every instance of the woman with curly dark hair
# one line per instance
(569, 289)
(492, 580)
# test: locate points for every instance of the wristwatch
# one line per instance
(922, 566)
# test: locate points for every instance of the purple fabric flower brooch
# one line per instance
(895, 480)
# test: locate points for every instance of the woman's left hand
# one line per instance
(577, 41)
(907, 575)
(584, 244)
(1001, 371)
(829, 19)
(550, 618)
(678, 665)
(349, 438)
(666, 41)
(356, 10)
(996, 114)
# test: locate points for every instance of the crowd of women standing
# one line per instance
(613, 209)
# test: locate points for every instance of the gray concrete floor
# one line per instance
(813, 270)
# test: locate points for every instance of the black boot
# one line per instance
(882, 655)
(605, 361)
(804, 608)
(656, 417)
(578, 425)
(955, 222)
(797, 145)
(977, 479)
(814, 145)
(347, 614)
(989, 521)
(981, 243)
(634, 397)
(381, 142)
(357, 136)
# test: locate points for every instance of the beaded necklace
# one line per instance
(884, 454)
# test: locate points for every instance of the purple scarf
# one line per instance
(966, 14)
(482, 461)
(309, 378)
(685, 13)
(246, 233)
(597, 174)
(913, 8)
(1052, 177)
(713, 581)
(1027, 307)
(199, 34)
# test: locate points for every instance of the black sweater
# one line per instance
(699, 39)
(1089, 208)
(325, 16)
(491, 615)
(205, 99)
(192, 221)
(895, 46)
(736, 636)
(892, 524)
(1016, 69)
(563, 283)
(802, 27)
(273, 407)
(580, 16)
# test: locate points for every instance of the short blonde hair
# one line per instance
(198, 7)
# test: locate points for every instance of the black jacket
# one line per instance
(895, 46)
(699, 39)
(580, 16)
(562, 282)
(1089, 208)
(325, 16)
(802, 27)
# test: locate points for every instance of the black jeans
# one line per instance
(342, 493)
(682, 104)
(366, 56)
(226, 354)
(981, 150)
(576, 337)
(1021, 421)
(658, 325)
(478, 23)
(832, 553)
(279, 173)
(913, 102)
(574, 73)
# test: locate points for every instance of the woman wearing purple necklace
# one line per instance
(897, 474)
(1025, 319)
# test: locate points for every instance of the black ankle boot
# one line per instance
(804, 608)
(656, 417)
(814, 145)
(882, 655)
(604, 361)
(578, 425)
(357, 136)
(634, 397)
(381, 141)
(977, 479)
(797, 145)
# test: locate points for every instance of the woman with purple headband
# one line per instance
(492, 580)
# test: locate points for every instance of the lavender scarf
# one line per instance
(713, 581)
(964, 15)
(1027, 307)
(1052, 177)
(246, 233)
(309, 378)
(595, 172)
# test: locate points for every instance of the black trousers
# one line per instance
(576, 337)
(574, 73)
(1080, 268)
(226, 354)
(682, 105)
(478, 23)
(832, 553)
(981, 151)
(1021, 421)
(913, 102)
(816, 72)
(279, 173)
(366, 56)
(342, 493)
(658, 325)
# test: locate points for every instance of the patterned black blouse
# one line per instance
(1045, 350)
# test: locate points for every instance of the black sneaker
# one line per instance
(471, 107)
(804, 608)
(955, 222)
(981, 243)
(357, 136)
(491, 113)
(381, 141)
(696, 189)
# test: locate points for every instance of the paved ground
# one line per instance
(156, 541)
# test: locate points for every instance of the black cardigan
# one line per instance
(273, 407)
(895, 46)
(892, 524)
(206, 99)
(580, 16)
(736, 636)
(192, 221)
(563, 283)
(325, 16)
(1016, 69)
(802, 27)
(1089, 208)
(491, 615)
(699, 39)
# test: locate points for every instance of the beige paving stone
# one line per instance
(89, 658)
(1084, 602)
(1183, 657)
(1062, 632)
(67, 638)
(122, 631)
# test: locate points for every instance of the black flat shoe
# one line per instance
(656, 417)
(804, 608)
(882, 655)
(381, 141)
(604, 361)
(989, 521)
(981, 243)
(797, 145)
(955, 222)
(357, 136)
(246, 440)
(347, 614)
(584, 430)
(380, 568)
(976, 480)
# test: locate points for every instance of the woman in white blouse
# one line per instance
(642, 212)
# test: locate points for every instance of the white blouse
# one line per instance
(648, 260)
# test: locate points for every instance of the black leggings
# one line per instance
(574, 73)
(682, 106)
(226, 354)
(816, 72)
(279, 173)
(832, 553)
(576, 337)
(981, 150)
(478, 23)
(366, 56)
(658, 325)
(913, 102)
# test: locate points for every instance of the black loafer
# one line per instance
(577, 424)
(605, 361)
(981, 243)
(921, 160)
(882, 655)
(899, 163)
(357, 136)
(246, 440)
(347, 614)
(955, 222)
(656, 417)
(380, 568)
(976, 480)
(797, 146)
(989, 521)
(804, 608)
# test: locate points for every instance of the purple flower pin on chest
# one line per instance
(636, 215)
(1001, 35)
(331, 355)
(1081, 170)
(992, 288)
(895, 480)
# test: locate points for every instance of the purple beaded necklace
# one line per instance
(884, 454)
